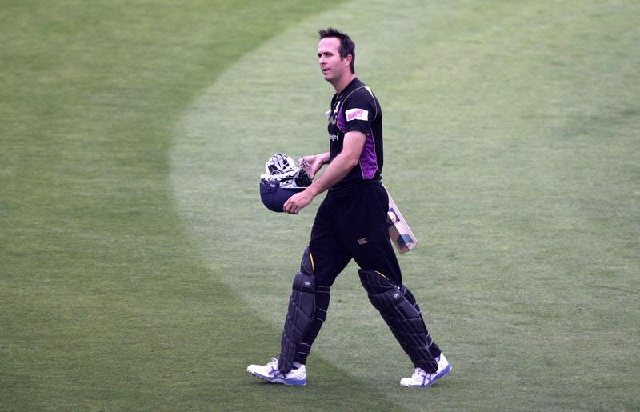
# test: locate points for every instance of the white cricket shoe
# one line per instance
(421, 378)
(270, 373)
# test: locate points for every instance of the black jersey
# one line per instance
(357, 108)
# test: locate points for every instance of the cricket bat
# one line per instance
(399, 231)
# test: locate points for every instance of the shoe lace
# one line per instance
(418, 373)
(273, 362)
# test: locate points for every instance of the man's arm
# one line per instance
(337, 170)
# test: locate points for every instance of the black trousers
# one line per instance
(348, 226)
(353, 226)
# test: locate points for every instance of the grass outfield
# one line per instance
(139, 271)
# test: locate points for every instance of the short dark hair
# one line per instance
(347, 46)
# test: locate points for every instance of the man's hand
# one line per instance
(298, 201)
(311, 164)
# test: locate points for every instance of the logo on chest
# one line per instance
(332, 115)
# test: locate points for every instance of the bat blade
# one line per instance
(399, 231)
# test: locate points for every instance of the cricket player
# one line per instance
(351, 223)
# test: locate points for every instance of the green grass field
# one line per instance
(139, 270)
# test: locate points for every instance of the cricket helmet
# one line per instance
(283, 179)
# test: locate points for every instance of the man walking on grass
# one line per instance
(351, 223)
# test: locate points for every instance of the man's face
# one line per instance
(332, 65)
